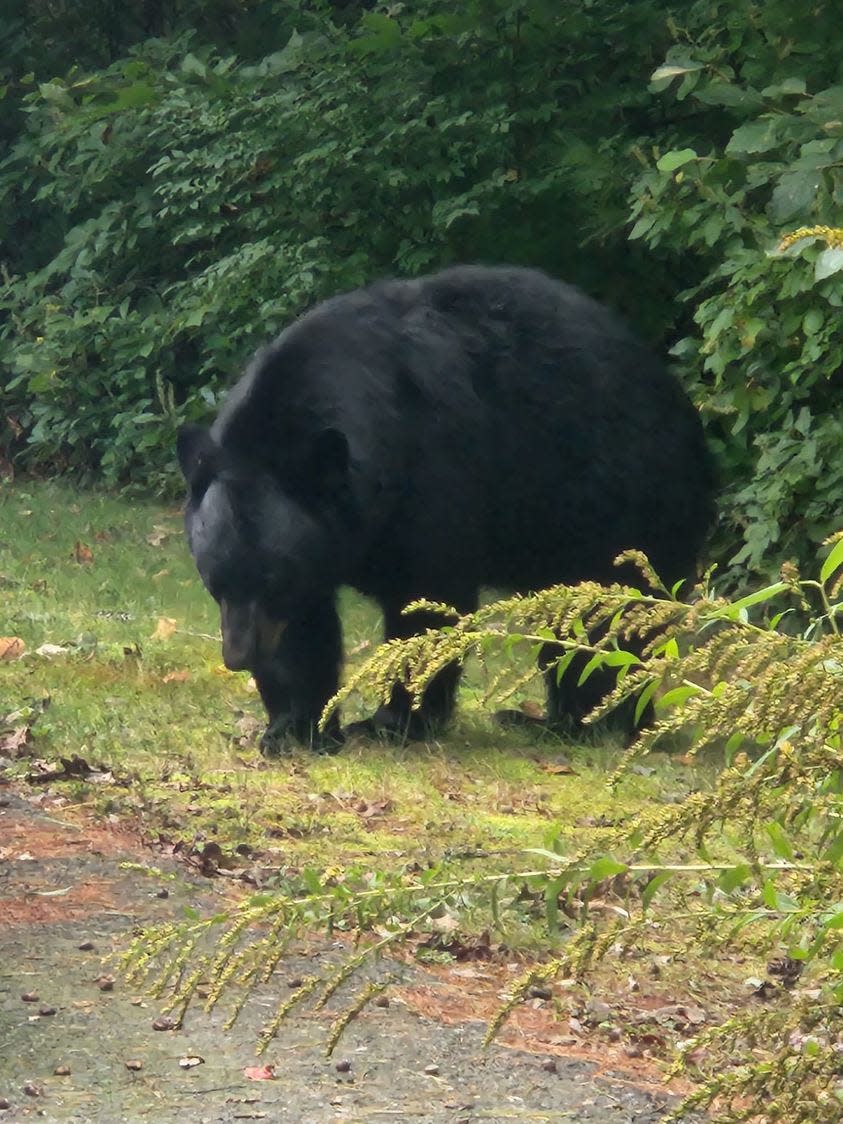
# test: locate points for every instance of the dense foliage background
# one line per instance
(184, 177)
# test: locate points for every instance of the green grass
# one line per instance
(152, 703)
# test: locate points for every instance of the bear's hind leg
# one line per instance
(397, 718)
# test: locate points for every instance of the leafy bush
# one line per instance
(755, 151)
(186, 204)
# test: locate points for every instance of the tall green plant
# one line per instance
(722, 674)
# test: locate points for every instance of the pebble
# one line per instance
(538, 992)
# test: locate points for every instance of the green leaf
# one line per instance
(653, 887)
(605, 867)
(674, 70)
(729, 95)
(676, 159)
(676, 696)
(554, 856)
(563, 665)
(729, 880)
(812, 321)
(494, 902)
(644, 699)
(192, 65)
(758, 136)
(593, 664)
(781, 844)
(774, 900)
(768, 894)
(551, 904)
(794, 195)
(833, 562)
(830, 261)
(734, 610)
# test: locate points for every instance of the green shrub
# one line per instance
(756, 151)
(182, 205)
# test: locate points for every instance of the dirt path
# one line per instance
(66, 904)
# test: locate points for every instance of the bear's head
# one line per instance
(264, 552)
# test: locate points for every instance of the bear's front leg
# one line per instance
(297, 681)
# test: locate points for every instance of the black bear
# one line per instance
(424, 438)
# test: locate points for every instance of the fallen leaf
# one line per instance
(176, 677)
(375, 808)
(558, 768)
(50, 650)
(164, 629)
(82, 554)
(259, 1072)
(191, 1062)
(157, 535)
(11, 647)
(13, 742)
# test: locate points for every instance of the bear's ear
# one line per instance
(199, 456)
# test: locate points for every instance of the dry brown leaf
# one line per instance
(260, 1072)
(164, 629)
(176, 677)
(157, 535)
(13, 742)
(374, 808)
(558, 768)
(11, 647)
(82, 554)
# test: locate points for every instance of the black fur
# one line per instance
(478, 427)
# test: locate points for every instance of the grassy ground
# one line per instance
(139, 689)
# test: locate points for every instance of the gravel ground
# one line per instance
(62, 887)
